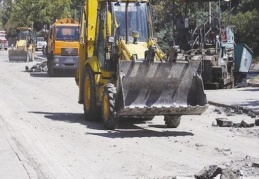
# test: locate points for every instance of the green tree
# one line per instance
(246, 21)
(40, 12)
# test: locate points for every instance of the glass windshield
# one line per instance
(40, 39)
(67, 33)
(23, 35)
(136, 17)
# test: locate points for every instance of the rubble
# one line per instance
(246, 124)
(229, 174)
(208, 172)
(215, 172)
(255, 164)
(39, 67)
(223, 122)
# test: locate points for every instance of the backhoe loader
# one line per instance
(24, 49)
(122, 72)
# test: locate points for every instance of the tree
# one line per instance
(40, 12)
(246, 21)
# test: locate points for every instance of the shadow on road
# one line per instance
(127, 128)
(45, 75)
(71, 118)
(39, 74)
(142, 133)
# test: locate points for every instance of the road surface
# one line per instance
(43, 135)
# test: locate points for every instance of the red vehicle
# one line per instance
(3, 40)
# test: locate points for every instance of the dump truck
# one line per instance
(62, 46)
(24, 49)
(122, 72)
(225, 63)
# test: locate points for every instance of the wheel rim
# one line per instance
(106, 111)
(87, 93)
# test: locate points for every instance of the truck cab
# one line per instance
(63, 46)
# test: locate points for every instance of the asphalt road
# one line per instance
(44, 135)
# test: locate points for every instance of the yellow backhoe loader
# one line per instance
(24, 49)
(122, 72)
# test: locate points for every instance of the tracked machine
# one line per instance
(122, 72)
(224, 62)
(24, 49)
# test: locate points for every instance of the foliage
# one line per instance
(245, 16)
(40, 12)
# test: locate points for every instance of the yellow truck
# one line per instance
(122, 72)
(62, 46)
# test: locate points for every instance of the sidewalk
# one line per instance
(245, 97)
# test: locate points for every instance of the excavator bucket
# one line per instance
(18, 55)
(160, 88)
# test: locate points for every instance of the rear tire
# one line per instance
(91, 110)
(110, 119)
(172, 121)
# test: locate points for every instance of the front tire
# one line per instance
(172, 121)
(51, 71)
(91, 110)
(110, 119)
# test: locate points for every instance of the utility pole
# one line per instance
(209, 12)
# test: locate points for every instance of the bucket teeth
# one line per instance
(160, 88)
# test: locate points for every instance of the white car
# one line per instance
(41, 43)
(3, 41)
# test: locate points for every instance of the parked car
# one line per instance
(3, 40)
(41, 43)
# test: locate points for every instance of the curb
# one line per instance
(235, 107)
(253, 84)
(40, 58)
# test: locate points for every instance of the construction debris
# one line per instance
(213, 171)
(39, 67)
(255, 164)
(223, 122)
(208, 172)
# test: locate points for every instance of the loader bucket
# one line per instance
(18, 55)
(160, 88)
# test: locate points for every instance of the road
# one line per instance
(45, 136)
